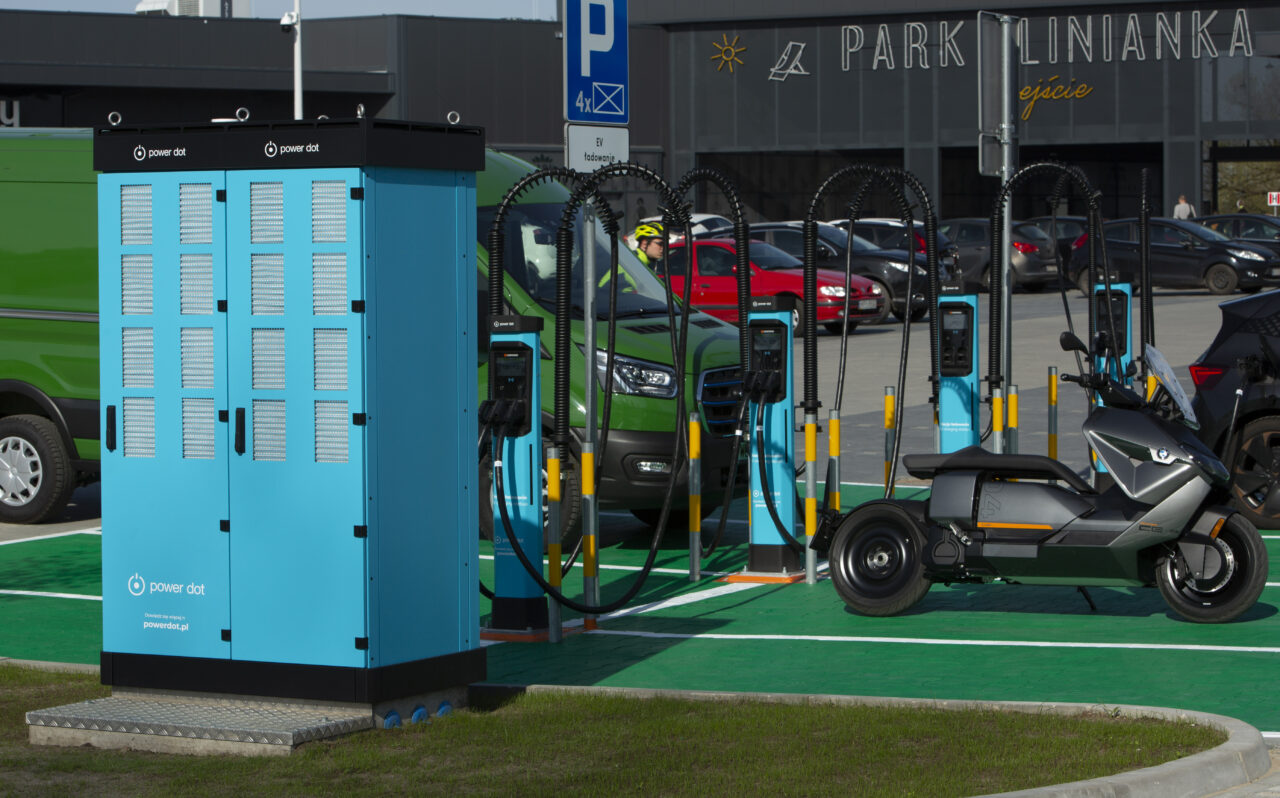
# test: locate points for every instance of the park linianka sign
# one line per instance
(1042, 41)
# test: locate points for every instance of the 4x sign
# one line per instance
(595, 62)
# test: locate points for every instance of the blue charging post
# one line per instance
(772, 415)
(958, 363)
(1122, 312)
(515, 376)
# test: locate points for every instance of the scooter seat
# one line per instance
(975, 458)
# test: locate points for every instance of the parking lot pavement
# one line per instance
(84, 512)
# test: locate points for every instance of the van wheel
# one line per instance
(570, 498)
(1221, 279)
(36, 477)
(1239, 560)
(876, 561)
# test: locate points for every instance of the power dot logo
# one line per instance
(271, 149)
(137, 585)
(139, 153)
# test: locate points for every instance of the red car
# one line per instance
(773, 273)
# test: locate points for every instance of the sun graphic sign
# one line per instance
(728, 52)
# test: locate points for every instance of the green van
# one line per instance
(49, 419)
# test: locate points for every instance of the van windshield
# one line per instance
(530, 259)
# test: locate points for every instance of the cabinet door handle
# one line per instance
(239, 430)
(111, 428)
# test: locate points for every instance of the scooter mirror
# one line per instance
(1070, 342)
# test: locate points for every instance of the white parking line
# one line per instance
(39, 594)
(927, 641)
(97, 530)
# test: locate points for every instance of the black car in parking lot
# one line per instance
(1187, 254)
(1244, 430)
(885, 267)
(1032, 263)
(1255, 228)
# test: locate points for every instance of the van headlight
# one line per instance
(1245, 254)
(637, 377)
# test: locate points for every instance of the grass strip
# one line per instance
(569, 745)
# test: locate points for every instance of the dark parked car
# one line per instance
(1245, 354)
(886, 268)
(1071, 233)
(1189, 254)
(1252, 227)
(1031, 262)
(773, 273)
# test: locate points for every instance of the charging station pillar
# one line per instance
(288, 386)
(772, 416)
(1122, 312)
(958, 398)
(516, 373)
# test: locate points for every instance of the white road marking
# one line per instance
(97, 530)
(39, 594)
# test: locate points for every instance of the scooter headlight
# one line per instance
(637, 377)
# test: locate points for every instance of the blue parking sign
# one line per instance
(595, 62)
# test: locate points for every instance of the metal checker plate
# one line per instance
(267, 724)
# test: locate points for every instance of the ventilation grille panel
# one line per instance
(195, 284)
(266, 213)
(332, 432)
(268, 359)
(328, 211)
(139, 426)
(268, 429)
(195, 213)
(136, 287)
(197, 358)
(199, 429)
(330, 360)
(135, 215)
(329, 284)
(266, 285)
(138, 348)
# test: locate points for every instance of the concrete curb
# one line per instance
(1243, 758)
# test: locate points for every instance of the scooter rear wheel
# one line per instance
(1230, 592)
(876, 562)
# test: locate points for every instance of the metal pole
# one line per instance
(1053, 412)
(1007, 132)
(810, 495)
(590, 518)
(695, 498)
(297, 59)
(1013, 419)
(554, 629)
(997, 419)
(888, 433)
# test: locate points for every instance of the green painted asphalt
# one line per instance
(989, 642)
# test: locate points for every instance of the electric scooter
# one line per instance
(1029, 519)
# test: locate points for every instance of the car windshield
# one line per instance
(715, 225)
(839, 238)
(1066, 228)
(767, 256)
(530, 259)
(1032, 233)
(1163, 372)
(1207, 233)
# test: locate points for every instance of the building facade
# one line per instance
(778, 96)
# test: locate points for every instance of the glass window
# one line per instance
(1118, 232)
(716, 261)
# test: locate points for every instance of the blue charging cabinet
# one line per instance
(773, 421)
(288, 387)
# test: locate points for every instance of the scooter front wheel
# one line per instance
(876, 562)
(1234, 585)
